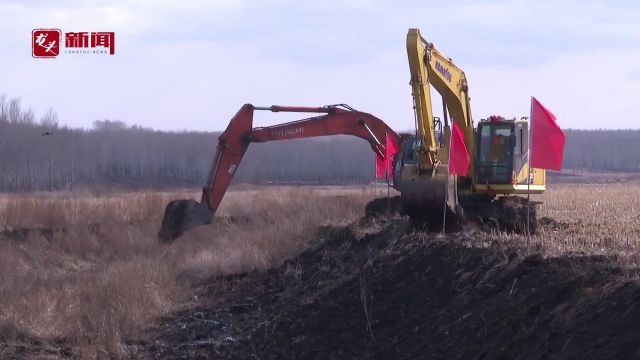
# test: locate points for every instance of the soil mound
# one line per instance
(397, 293)
(384, 206)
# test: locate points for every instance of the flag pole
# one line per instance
(375, 175)
(530, 136)
(446, 191)
(444, 210)
(386, 172)
(388, 194)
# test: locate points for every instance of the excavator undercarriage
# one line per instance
(503, 214)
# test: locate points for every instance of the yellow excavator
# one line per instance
(498, 149)
(498, 152)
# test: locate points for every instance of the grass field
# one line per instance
(89, 269)
(591, 219)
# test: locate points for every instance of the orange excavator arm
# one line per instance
(234, 141)
(182, 215)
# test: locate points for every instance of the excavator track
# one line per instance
(505, 214)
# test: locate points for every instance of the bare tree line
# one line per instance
(38, 154)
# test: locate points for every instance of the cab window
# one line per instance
(495, 153)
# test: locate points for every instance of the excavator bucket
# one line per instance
(180, 216)
(431, 201)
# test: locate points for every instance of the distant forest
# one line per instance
(38, 154)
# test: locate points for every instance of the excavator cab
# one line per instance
(502, 148)
(495, 145)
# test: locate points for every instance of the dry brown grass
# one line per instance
(100, 276)
(585, 219)
(593, 219)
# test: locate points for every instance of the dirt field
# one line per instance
(83, 275)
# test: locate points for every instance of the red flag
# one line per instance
(547, 139)
(379, 166)
(458, 154)
(391, 148)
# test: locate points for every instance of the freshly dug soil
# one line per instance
(511, 214)
(384, 206)
(400, 294)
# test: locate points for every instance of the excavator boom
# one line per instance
(182, 215)
(429, 67)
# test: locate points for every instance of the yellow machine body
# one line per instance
(498, 148)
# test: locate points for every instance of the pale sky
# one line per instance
(191, 64)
